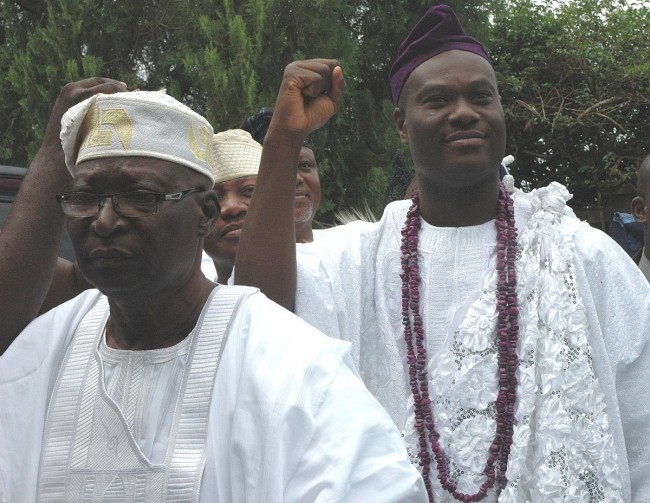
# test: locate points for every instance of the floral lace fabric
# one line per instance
(562, 449)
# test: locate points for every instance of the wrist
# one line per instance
(284, 138)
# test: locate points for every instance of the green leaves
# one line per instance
(574, 82)
(573, 76)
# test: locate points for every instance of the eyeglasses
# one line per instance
(125, 204)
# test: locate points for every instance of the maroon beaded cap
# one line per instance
(438, 31)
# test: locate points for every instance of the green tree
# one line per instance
(573, 77)
(224, 59)
(574, 83)
(49, 43)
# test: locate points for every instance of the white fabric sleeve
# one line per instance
(617, 301)
(356, 453)
(294, 423)
(336, 281)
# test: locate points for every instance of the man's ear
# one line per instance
(400, 125)
(639, 210)
(210, 214)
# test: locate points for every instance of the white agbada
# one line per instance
(288, 419)
(582, 414)
(644, 265)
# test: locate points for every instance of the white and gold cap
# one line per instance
(137, 123)
(236, 155)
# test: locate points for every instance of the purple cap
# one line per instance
(438, 31)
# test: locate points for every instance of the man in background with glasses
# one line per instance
(161, 385)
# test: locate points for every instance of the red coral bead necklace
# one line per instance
(507, 336)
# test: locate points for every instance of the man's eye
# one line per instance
(80, 198)
(248, 191)
(436, 100)
(483, 97)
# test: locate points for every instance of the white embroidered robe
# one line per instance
(289, 419)
(349, 287)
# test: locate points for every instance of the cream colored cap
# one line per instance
(236, 155)
(137, 123)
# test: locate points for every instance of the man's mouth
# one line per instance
(231, 231)
(465, 137)
(108, 253)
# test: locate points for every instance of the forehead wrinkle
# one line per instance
(136, 172)
(442, 85)
(441, 69)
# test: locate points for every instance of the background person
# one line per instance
(308, 193)
(237, 156)
(237, 161)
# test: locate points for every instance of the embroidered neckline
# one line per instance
(159, 355)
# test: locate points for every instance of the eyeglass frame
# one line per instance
(160, 197)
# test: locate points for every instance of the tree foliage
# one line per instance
(572, 78)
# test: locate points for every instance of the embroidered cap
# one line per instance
(438, 31)
(137, 123)
(236, 154)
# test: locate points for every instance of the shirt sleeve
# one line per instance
(335, 281)
(356, 453)
(294, 422)
(617, 301)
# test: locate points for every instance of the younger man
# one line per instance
(498, 331)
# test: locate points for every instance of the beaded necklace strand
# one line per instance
(507, 336)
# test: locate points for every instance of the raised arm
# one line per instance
(310, 93)
(30, 238)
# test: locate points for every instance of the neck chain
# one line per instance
(507, 336)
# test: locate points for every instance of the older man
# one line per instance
(308, 194)
(164, 386)
(509, 341)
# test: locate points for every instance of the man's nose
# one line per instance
(463, 111)
(106, 217)
(300, 180)
(232, 205)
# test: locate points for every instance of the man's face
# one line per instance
(121, 255)
(451, 118)
(307, 187)
(234, 198)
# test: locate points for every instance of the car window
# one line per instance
(10, 179)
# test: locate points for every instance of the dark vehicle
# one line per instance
(10, 179)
